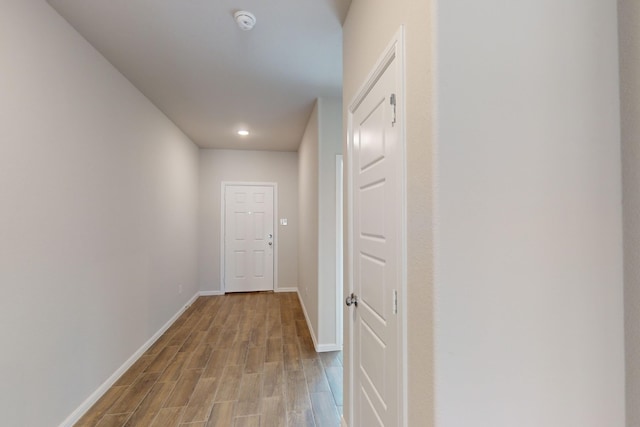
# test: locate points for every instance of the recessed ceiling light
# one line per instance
(243, 132)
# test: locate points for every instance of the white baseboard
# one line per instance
(211, 293)
(93, 398)
(281, 289)
(321, 348)
(343, 422)
(306, 316)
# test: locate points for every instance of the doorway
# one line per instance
(248, 239)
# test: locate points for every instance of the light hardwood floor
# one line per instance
(238, 360)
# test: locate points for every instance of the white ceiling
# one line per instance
(191, 60)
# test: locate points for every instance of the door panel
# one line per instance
(371, 216)
(239, 261)
(377, 254)
(372, 272)
(368, 414)
(258, 263)
(248, 234)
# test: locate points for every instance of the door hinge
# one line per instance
(395, 302)
(392, 101)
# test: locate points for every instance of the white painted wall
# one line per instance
(308, 213)
(529, 324)
(330, 144)
(321, 142)
(629, 32)
(368, 29)
(247, 166)
(98, 217)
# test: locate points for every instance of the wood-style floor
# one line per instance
(236, 360)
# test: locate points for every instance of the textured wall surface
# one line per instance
(629, 30)
(529, 325)
(98, 217)
(330, 144)
(247, 166)
(317, 210)
(308, 200)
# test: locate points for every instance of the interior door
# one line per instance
(248, 238)
(376, 174)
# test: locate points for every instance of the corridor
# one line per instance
(229, 361)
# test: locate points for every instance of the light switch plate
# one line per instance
(283, 221)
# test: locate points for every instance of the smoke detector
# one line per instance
(245, 20)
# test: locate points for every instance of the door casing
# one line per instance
(339, 247)
(223, 187)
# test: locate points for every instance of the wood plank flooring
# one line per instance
(238, 360)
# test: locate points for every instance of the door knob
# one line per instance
(270, 243)
(351, 299)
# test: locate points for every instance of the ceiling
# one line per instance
(193, 62)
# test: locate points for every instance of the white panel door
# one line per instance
(248, 234)
(376, 174)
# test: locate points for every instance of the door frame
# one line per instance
(395, 49)
(223, 221)
(339, 248)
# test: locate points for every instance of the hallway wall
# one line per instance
(247, 166)
(629, 31)
(330, 144)
(308, 211)
(529, 313)
(98, 217)
(317, 211)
